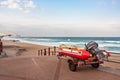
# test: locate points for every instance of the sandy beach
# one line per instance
(22, 49)
(23, 63)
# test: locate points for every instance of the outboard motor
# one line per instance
(92, 47)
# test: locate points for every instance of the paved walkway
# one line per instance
(50, 68)
(38, 68)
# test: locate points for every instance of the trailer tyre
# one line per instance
(96, 65)
(72, 66)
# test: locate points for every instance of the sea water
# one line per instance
(111, 44)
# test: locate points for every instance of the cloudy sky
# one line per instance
(91, 18)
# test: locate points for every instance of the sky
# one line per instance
(57, 18)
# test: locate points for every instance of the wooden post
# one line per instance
(49, 51)
(1, 47)
(44, 52)
(38, 52)
(54, 50)
(41, 52)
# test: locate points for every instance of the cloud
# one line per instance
(23, 5)
(30, 4)
(15, 6)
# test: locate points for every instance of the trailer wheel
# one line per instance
(72, 66)
(96, 65)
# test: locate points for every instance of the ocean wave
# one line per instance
(37, 39)
(71, 43)
(112, 42)
(110, 45)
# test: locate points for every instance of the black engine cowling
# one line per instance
(93, 48)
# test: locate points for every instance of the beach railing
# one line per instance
(50, 51)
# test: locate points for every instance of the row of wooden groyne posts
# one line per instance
(50, 51)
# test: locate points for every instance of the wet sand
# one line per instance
(29, 66)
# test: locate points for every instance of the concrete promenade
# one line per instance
(50, 68)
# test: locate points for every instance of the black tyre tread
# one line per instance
(96, 65)
(72, 66)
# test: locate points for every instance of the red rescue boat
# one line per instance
(76, 55)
